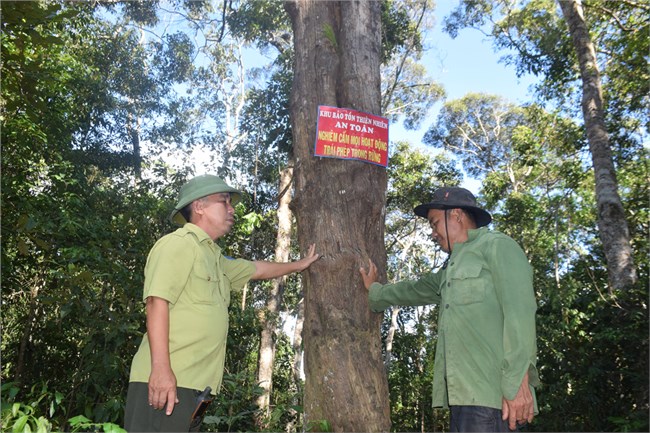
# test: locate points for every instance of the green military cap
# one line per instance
(198, 187)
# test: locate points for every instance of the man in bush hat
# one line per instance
(485, 365)
(187, 293)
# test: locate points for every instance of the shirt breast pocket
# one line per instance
(204, 285)
(467, 285)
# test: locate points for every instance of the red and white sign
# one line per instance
(349, 134)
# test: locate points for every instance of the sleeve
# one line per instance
(238, 271)
(424, 291)
(168, 267)
(513, 281)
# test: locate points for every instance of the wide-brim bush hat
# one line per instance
(199, 187)
(451, 197)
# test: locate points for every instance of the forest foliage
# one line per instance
(105, 106)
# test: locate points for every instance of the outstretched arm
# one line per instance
(267, 270)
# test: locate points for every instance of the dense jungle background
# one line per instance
(107, 107)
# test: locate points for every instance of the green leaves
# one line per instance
(321, 425)
(19, 417)
(80, 424)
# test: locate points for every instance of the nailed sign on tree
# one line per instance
(350, 134)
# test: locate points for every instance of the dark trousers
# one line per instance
(477, 419)
(140, 417)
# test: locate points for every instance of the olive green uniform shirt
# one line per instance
(187, 269)
(486, 322)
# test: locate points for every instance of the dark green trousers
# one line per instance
(140, 417)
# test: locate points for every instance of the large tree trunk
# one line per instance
(272, 311)
(339, 205)
(612, 225)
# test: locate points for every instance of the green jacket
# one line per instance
(486, 321)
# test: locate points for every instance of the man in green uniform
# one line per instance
(187, 293)
(485, 365)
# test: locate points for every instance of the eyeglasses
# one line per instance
(225, 200)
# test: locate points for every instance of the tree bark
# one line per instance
(612, 225)
(339, 205)
(271, 313)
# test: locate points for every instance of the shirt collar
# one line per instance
(199, 233)
(472, 234)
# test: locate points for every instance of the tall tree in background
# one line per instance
(410, 333)
(536, 35)
(339, 205)
(266, 124)
(612, 224)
